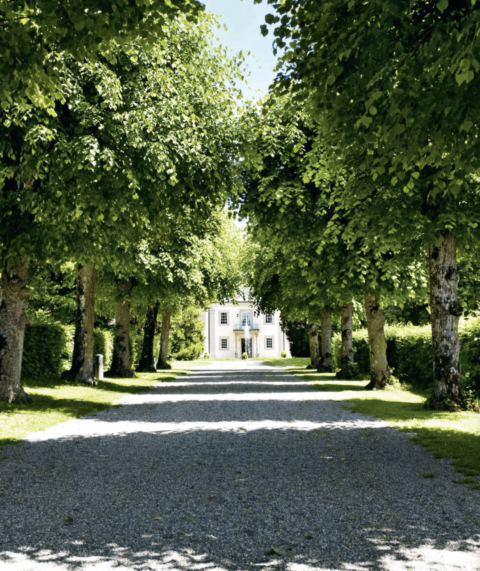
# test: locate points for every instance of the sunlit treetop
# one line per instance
(35, 35)
(396, 81)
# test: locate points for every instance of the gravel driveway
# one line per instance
(237, 466)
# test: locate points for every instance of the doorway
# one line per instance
(247, 346)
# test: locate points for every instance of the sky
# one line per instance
(243, 19)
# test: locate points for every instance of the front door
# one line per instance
(247, 346)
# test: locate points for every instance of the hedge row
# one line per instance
(409, 352)
(45, 350)
(48, 348)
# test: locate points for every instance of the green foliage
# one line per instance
(48, 348)
(53, 293)
(297, 335)
(135, 343)
(310, 253)
(470, 352)
(186, 335)
(411, 312)
(35, 35)
(116, 161)
(244, 356)
(409, 352)
(377, 75)
(103, 345)
(283, 354)
(45, 350)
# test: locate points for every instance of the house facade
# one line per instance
(233, 329)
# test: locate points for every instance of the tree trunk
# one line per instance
(13, 320)
(121, 366)
(162, 357)
(445, 311)
(313, 344)
(82, 362)
(147, 360)
(347, 366)
(379, 372)
(326, 360)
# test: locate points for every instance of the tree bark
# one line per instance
(379, 372)
(162, 357)
(445, 311)
(326, 360)
(346, 368)
(147, 360)
(121, 366)
(82, 362)
(13, 320)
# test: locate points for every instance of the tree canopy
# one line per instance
(36, 36)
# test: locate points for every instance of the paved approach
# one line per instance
(237, 466)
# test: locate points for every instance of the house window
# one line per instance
(223, 318)
(246, 318)
(269, 318)
(224, 343)
(269, 342)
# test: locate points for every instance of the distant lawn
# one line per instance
(454, 435)
(300, 362)
(54, 401)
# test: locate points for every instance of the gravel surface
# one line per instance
(238, 466)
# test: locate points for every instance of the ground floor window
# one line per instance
(224, 343)
(269, 342)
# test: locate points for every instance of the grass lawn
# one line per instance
(454, 435)
(54, 401)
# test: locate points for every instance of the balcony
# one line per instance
(240, 327)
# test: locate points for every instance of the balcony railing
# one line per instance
(240, 327)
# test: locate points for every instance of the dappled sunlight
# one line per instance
(455, 556)
(458, 556)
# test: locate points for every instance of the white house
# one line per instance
(231, 330)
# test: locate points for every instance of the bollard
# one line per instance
(99, 367)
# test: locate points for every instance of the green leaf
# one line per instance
(276, 551)
(442, 5)
(466, 125)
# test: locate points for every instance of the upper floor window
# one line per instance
(223, 318)
(246, 319)
(269, 318)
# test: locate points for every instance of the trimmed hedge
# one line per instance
(470, 352)
(48, 349)
(409, 352)
(45, 349)
(103, 344)
(135, 344)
